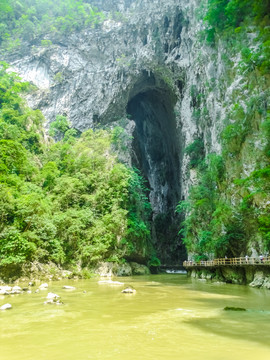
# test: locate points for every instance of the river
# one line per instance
(170, 317)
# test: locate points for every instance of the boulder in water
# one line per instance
(5, 290)
(129, 290)
(52, 296)
(43, 286)
(16, 290)
(6, 307)
(53, 299)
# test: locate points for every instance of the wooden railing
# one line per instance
(241, 261)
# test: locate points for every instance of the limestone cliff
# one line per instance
(145, 68)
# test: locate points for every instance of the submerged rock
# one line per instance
(232, 308)
(110, 282)
(67, 287)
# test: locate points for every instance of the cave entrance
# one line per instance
(156, 153)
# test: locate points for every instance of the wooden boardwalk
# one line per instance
(241, 261)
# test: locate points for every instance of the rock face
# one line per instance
(139, 269)
(143, 71)
(136, 66)
(252, 276)
(107, 269)
(261, 279)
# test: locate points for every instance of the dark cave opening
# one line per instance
(156, 152)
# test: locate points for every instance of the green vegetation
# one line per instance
(233, 19)
(28, 20)
(227, 211)
(196, 153)
(205, 211)
(214, 225)
(70, 202)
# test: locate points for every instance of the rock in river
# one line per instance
(43, 286)
(16, 290)
(5, 290)
(129, 290)
(53, 299)
(110, 282)
(67, 287)
(6, 307)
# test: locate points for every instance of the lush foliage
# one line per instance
(227, 210)
(66, 202)
(225, 14)
(214, 226)
(196, 153)
(205, 211)
(29, 20)
(230, 18)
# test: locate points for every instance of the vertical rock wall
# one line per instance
(147, 61)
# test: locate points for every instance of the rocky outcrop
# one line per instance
(108, 269)
(139, 269)
(261, 279)
(10, 290)
(247, 275)
(146, 71)
(132, 71)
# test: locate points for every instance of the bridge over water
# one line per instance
(240, 261)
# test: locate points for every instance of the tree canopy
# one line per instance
(71, 201)
(31, 20)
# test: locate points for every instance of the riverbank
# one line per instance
(254, 276)
(36, 271)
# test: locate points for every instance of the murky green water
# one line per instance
(170, 317)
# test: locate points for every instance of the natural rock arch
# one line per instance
(157, 153)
